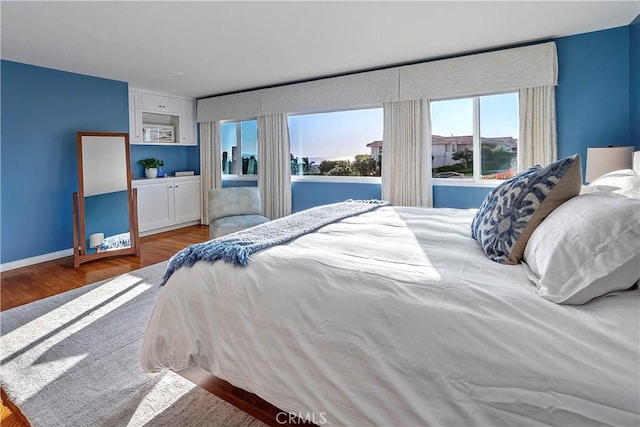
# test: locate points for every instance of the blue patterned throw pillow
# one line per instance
(510, 213)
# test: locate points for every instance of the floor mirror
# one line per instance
(105, 221)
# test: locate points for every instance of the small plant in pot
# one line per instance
(151, 166)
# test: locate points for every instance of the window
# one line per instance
(475, 138)
(239, 146)
(343, 143)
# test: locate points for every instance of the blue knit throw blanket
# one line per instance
(237, 247)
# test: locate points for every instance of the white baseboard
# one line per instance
(36, 259)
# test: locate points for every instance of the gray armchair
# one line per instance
(233, 209)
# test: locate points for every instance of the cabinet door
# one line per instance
(187, 123)
(170, 105)
(135, 117)
(187, 200)
(155, 205)
(160, 104)
(151, 102)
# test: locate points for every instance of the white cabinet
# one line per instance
(186, 200)
(135, 117)
(167, 203)
(163, 110)
(188, 122)
(160, 104)
(155, 204)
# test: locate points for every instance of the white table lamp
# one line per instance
(95, 240)
(607, 159)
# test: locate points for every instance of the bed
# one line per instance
(397, 316)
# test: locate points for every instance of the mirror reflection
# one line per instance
(107, 222)
(105, 217)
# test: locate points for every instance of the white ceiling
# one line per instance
(203, 48)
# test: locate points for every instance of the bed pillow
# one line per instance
(513, 210)
(625, 182)
(586, 248)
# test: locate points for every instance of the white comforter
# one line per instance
(395, 317)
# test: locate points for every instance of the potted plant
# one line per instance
(151, 166)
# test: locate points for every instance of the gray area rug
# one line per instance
(72, 360)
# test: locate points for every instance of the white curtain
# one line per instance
(210, 165)
(406, 155)
(274, 165)
(538, 140)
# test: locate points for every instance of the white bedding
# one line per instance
(396, 317)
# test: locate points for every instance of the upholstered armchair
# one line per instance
(233, 209)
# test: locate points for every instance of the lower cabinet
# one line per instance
(167, 203)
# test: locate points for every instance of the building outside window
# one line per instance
(341, 143)
(475, 138)
(239, 146)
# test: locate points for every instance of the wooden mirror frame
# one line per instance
(80, 254)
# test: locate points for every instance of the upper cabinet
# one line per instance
(158, 119)
(188, 122)
(135, 117)
(160, 104)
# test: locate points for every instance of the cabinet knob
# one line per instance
(176, 186)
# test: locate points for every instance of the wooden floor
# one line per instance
(28, 284)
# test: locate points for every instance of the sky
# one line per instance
(342, 135)
(337, 135)
(498, 116)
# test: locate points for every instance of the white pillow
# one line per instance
(587, 247)
(625, 182)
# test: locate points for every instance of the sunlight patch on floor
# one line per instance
(158, 399)
(43, 374)
(28, 343)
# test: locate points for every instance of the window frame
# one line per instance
(477, 180)
(338, 178)
(238, 176)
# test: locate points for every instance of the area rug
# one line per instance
(72, 360)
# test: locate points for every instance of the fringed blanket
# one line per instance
(237, 247)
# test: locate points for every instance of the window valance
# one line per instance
(490, 72)
(361, 89)
(241, 105)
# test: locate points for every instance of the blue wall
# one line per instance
(42, 109)
(238, 183)
(592, 97)
(306, 195)
(175, 158)
(634, 82)
(459, 197)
